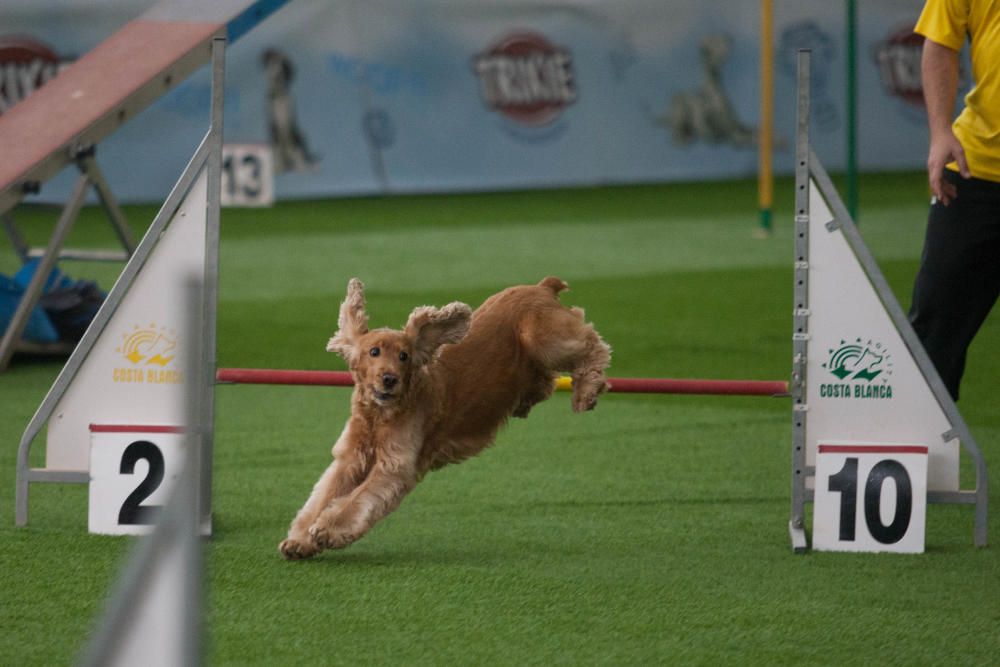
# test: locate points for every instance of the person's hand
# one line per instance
(944, 148)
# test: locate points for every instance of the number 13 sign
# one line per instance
(870, 498)
(132, 472)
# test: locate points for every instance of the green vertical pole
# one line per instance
(852, 108)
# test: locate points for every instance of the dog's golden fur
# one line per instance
(436, 393)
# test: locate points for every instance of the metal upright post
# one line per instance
(851, 74)
(800, 335)
(210, 288)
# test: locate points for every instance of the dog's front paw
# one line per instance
(296, 550)
(326, 537)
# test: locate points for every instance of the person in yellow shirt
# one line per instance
(959, 277)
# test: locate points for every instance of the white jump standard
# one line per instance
(91, 389)
(131, 367)
(860, 376)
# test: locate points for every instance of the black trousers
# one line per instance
(959, 277)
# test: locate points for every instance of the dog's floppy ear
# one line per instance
(353, 321)
(429, 328)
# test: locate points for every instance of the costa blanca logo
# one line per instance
(898, 59)
(25, 65)
(526, 78)
(862, 370)
(149, 352)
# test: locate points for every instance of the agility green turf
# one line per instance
(651, 531)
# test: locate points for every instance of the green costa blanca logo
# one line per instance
(862, 370)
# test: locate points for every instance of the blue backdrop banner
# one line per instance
(377, 96)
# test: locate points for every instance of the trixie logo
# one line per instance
(149, 351)
(526, 78)
(25, 64)
(898, 59)
(857, 366)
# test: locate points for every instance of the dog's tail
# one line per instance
(554, 284)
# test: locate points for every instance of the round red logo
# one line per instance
(25, 64)
(898, 58)
(526, 78)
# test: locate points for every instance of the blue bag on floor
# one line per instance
(39, 329)
(64, 310)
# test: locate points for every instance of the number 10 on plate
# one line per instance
(870, 498)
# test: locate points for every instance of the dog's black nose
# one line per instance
(389, 380)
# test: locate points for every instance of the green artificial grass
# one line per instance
(650, 531)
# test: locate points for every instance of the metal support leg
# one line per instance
(21, 488)
(33, 293)
(16, 239)
(88, 165)
(90, 174)
(982, 493)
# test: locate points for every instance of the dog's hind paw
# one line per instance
(294, 550)
(585, 397)
(584, 403)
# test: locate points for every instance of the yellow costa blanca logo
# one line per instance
(149, 351)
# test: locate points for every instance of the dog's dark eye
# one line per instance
(374, 351)
(403, 356)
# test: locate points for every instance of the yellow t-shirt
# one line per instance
(947, 22)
